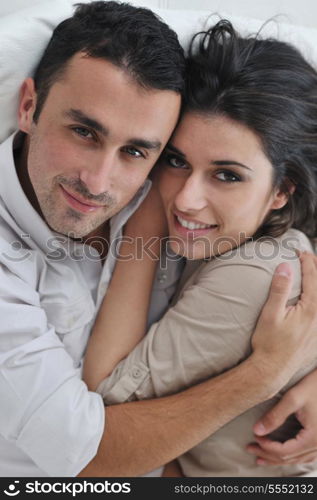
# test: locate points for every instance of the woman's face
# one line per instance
(216, 185)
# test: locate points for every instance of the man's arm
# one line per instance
(45, 406)
(140, 436)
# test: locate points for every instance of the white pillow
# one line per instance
(24, 35)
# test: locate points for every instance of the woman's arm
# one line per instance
(207, 332)
(122, 318)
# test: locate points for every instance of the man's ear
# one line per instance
(27, 105)
(283, 194)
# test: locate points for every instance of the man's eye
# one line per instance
(83, 132)
(227, 176)
(175, 161)
(135, 153)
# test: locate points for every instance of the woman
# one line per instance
(239, 190)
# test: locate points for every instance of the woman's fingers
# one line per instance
(266, 458)
(292, 448)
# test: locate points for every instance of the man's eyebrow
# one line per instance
(230, 162)
(144, 143)
(79, 116)
(170, 147)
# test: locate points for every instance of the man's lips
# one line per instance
(77, 204)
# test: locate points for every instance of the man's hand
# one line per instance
(300, 401)
(294, 328)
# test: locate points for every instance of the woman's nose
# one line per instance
(191, 197)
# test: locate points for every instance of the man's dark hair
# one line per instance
(268, 86)
(131, 38)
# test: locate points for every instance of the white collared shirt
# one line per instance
(50, 290)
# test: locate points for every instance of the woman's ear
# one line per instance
(283, 194)
(27, 105)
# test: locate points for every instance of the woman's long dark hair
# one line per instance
(269, 87)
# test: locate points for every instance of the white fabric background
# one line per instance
(300, 12)
(25, 32)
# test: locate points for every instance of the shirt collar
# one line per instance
(27, 218)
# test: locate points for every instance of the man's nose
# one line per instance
(99, 176)
(192, 196)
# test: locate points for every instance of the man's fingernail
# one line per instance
(259, 429)
(283, 270)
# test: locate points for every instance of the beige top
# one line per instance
(206, 332)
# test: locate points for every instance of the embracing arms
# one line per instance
(140, 436)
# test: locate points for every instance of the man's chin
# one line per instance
(74, 233)
(78, 227)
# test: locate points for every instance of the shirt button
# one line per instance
(136, 373)
(162, 277)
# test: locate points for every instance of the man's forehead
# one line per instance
(87, 67)
(86, 64)
(106, 99)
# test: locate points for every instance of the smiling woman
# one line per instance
(239, 190)
(209, 191)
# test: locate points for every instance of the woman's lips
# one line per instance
(192, 233)
(78, 205)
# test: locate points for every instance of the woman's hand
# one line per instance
(302, 402)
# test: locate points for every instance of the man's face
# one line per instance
(97, 137)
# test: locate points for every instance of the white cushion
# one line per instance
(24, 35)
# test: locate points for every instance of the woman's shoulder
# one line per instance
(257, 259)
(266, 251)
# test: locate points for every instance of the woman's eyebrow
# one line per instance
(173, 148)
(229, 162)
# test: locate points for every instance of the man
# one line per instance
(103, 103)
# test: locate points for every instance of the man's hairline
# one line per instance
(59, 75)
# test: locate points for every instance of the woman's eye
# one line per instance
(227, 176)
(175, 162)
(133, 152)
(83, 132)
